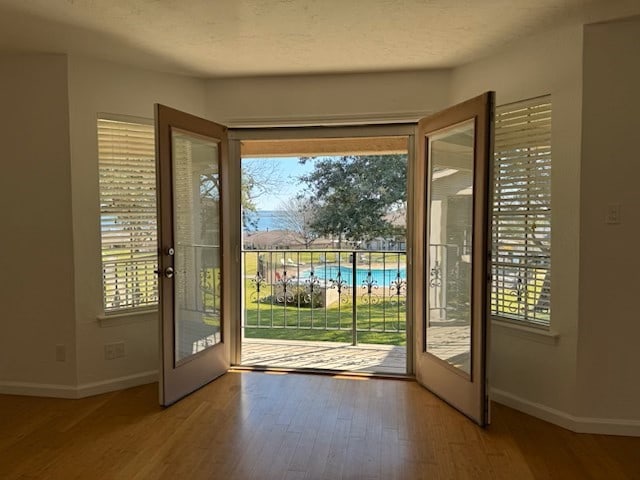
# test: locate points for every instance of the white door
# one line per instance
(454, 148)
(191, 169)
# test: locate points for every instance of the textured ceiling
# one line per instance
(212, 38)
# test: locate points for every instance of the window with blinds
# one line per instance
(126, 158)
(521, 235)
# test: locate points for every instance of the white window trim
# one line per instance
(515, 328)
(148, 245)
(527, 122)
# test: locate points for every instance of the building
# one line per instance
(580, 374)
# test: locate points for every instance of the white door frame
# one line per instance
(237, 135)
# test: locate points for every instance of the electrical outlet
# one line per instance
(613, 214)
(118, 350)
(113, 350)
(61, 353)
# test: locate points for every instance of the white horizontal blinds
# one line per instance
(126, 156)
(521, 236)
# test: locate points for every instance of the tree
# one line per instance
(258, 178)
(296, 215)
(354, 195)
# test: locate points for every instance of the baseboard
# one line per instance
(120, 383)
(79, 391)
(38, 389)
(605, 426)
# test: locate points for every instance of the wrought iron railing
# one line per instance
(521, 292)
(350, 292)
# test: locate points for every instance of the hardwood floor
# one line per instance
(253, 425)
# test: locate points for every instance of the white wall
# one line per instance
(36, 244)
(528, 368)
(585, 378)
(52, 231)
(316, 99)
(101, 87)
(609, 335)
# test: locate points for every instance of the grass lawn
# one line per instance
(320, 257)
(383, 322)
(506, 303)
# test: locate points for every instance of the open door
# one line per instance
(454, 148)
(191, 165)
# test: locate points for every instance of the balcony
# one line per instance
(329, 309)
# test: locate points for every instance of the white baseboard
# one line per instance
(120, 383)
(38, 389)
(79, 391)
(605, 426)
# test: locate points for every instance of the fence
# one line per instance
(330, 290)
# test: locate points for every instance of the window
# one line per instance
(126, 158)
(521, 243)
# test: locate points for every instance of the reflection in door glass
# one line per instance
(449, 255)
(196, 213)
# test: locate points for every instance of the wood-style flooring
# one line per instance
(252, 425)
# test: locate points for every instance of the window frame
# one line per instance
(534, 152)
(130, 306)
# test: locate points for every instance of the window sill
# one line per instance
(541, 335)
(125, 318)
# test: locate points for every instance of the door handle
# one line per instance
(168, 272)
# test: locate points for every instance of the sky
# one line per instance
(288, 170)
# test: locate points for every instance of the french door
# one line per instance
(192, 162)
(451, 264)
(449, 234)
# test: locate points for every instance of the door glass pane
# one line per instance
(196, 211)
(449, 256)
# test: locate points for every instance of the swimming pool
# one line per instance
(382, 277)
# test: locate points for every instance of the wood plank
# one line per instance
(251, 425)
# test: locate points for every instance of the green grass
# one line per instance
(383, 322)
(507, 303)
(136, 282)
(326, 336)
(318, 257)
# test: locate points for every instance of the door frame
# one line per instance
(237, 134)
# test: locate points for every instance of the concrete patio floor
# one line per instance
(387, 359)
(451, 343)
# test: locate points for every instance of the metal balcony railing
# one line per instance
(350, 292)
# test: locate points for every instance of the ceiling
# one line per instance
(222, 38)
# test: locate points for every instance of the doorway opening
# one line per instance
(351, 191)
(324, 254)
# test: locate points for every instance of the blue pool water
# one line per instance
(382, 277)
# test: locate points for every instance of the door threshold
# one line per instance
(320, 371)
